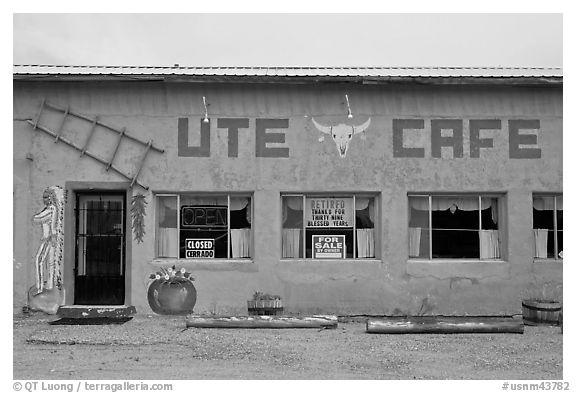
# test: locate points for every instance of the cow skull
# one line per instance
(342, 134)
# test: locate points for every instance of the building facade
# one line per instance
(345, 191)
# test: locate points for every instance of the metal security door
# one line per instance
(100, 249)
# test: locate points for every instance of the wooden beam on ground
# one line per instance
(88, 312)
(263, 322)
(444, 325)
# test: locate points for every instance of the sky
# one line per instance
(281, 39)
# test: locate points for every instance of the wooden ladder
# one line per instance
(108, 164)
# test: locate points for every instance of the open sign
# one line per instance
(203, 216)
(333, 246)
(199, 248)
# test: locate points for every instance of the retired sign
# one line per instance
(329, 212)
(199, 248)
(333, 247)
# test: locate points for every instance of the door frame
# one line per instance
(73, 188)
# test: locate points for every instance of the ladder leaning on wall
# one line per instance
(108, 164)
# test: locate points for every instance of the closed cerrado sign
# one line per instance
(199, 248)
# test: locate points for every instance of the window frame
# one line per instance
(554, 195)
(337, 194)
(501, 225)
(228, 196)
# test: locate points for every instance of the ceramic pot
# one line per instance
(173, 297)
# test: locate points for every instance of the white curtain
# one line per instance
(414, 235)
(188, 200)
(363, 203)
(444, 203)
(240, 242)
(547, 203)
(541, 243)
(291, 243)
(489, 244)
(365, 241)
(238, 203)
(493, 203)
(167, 243)
(295, 204)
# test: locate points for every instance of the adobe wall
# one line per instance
(301, 163)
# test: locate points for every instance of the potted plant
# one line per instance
(171, 292)
(264, 304)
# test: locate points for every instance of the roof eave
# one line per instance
(377, 80)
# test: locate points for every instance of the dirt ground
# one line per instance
(156, 347)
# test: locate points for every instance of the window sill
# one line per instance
(455, 260)
(547, 260)
(347, 260)
(167, 261)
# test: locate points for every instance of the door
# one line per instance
(100, 249)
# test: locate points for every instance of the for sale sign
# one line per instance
(333, 247)
(199, 248)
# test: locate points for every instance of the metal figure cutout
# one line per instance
(50, 252)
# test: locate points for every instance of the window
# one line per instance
(203, 226)
(547, 220)
(328, 226)
(454, 226)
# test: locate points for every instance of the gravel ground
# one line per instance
(156, 347)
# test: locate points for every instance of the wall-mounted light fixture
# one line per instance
(205, 120)
(348, 105)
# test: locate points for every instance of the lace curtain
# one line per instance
(414, 236)
(489, 244)
(547, 203)
(241, 240)
(541, 243)
(167, 234)
(365, 242)
(462, 203)
(291, 243)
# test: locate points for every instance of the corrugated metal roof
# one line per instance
(284, 73)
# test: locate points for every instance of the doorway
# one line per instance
(99, 271)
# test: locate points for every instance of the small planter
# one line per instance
(265, 307)
(172, 297)
(541, 312)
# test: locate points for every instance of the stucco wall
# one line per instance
(388, 285)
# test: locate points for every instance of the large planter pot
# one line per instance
(541, 312)
(174, 297)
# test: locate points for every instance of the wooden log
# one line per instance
(263, 322)
(96, 311)
(444, 325)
